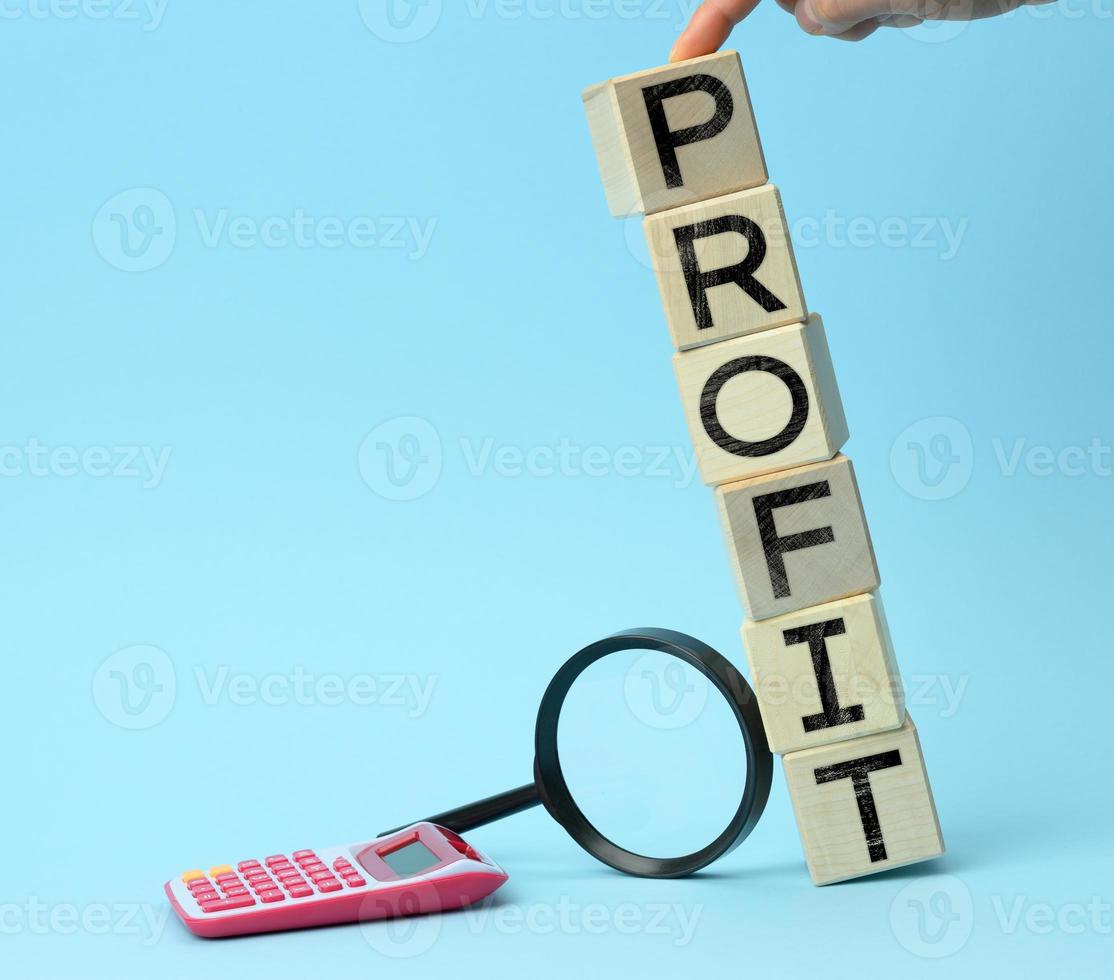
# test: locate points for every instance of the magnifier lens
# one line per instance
(651, 752)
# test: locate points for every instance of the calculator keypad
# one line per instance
(277, 877)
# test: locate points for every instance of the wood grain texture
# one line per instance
(864, 806)
(725, 267)
(702, 112)
(798, 538)
(825, 674)
(761, 403)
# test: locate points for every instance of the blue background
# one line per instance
(269, 543)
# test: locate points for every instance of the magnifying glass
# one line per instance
(550, 786)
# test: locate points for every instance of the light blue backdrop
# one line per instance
(331, 221)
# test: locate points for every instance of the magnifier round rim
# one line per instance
(554, 790)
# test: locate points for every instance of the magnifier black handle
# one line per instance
(465, 818)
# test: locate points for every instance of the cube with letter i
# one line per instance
(825, 674)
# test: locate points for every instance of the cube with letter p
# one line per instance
(675, 135)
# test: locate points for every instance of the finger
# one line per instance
(831, 17)
(859, 31)
(709, 27)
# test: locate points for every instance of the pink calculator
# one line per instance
(421, 869)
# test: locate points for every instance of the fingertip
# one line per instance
(686, 47)
(708, 28)
(807, 19)
(859, 32)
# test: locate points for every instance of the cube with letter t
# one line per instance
(863, 806)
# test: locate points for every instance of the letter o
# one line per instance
(741, 365)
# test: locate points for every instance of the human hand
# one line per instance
(848, 20)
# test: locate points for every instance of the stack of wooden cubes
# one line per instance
(679, 145)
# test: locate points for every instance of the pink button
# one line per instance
(313, 865)
(355, 881)
(276, 859)
(321, 875)
(298, 855)
(227, 904)
(263, 886)
(330, 885)
(248, 865)
(284, 873)
(301, 891)
(271, 896)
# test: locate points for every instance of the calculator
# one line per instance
(419, 870)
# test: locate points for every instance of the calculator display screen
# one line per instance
(412, 859)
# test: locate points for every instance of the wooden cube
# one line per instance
(863, 806)
(674, 135)
(798, 538)
(725, 267)
(825, 674)
(761, 403)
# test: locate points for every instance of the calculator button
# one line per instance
(199, 884)
(271, 896)
(340, 864)
(321, 875)
(355, 881)
(263, 886)
(276, 859)
(299, 855)
(248, 865)
(301, 891)
(227, 904)
(195, 875)
(219, 869)
(233, 891)
(205, 897)
(227, 878)
(288, 873)
(329, 885)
